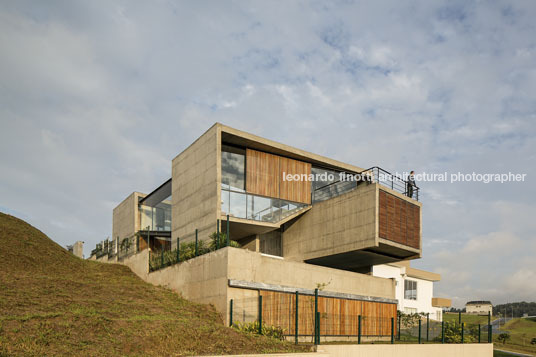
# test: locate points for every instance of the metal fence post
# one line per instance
(478, 333)
(419, 330)
(296, 322)
(392, 330)
(490, 333)
(463, 324)
(227, 243)
(231, 313)
(442, 331)
(315, 315)
(399, 324)
(196, 243)
(427, 326)
(460, 317)
(162, 259)
(359, 329)
(317, 328)
(217, 234)
(260, 314)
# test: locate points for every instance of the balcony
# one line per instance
(240, 204)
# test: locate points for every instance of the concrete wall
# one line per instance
(250, 266)
(344, 223)
(195, 186)
(205, 279)
(413, 350)
(125, 217)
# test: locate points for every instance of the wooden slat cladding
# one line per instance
(338, 317)
(262, 173)
(264, 177)
(296, 191)
(399, 220)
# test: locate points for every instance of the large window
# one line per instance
(410, 289)
(233, 168)
(327, 184)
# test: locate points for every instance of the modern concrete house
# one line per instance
(479, 307)
(301, 221)
(414, 289)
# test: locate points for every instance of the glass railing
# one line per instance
(240, 204)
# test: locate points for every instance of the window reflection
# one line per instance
(233, 167)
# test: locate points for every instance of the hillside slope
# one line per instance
(52, 303)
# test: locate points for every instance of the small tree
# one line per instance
(503, 337)
(533, 342)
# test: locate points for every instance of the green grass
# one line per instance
(52, 303)
(467, 318)
(521, 331)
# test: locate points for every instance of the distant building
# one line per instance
(77, 249)
(478, 307)
(414, 289)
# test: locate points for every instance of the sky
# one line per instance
(97, 98)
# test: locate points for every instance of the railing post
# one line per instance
(162, 259)
(196, 243)
(399, 324)
(459, 317)
(217, 234)
(296, 317)
(359, 329)
(392, 330)
(478, 333)
(490, 330)
(231, 313)
(315, 315)
(463, 324)
(442, 331)
(317, 328)
(260, 314)
(178, 250)
(427, 326)
(227, 244)
(419, 330)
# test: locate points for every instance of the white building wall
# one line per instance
(425, 291)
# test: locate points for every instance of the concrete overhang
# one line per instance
(241, 138)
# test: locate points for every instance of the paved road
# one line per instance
(496, 324)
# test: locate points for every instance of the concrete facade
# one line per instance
(126, 220)
(195, 187)
(344, 223)
(205, 279)
(379, 350)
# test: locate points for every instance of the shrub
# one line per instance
(275, 332)
(533, 342)
(503, 337)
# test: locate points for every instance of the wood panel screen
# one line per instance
(338, 317)
(262, 173)
(264, 177)
(399, 220)
(296, 191)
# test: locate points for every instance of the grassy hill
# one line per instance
(52, 303)
(521, 332)
(467, 318)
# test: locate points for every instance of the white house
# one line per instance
(479, 307)
(414, 288)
